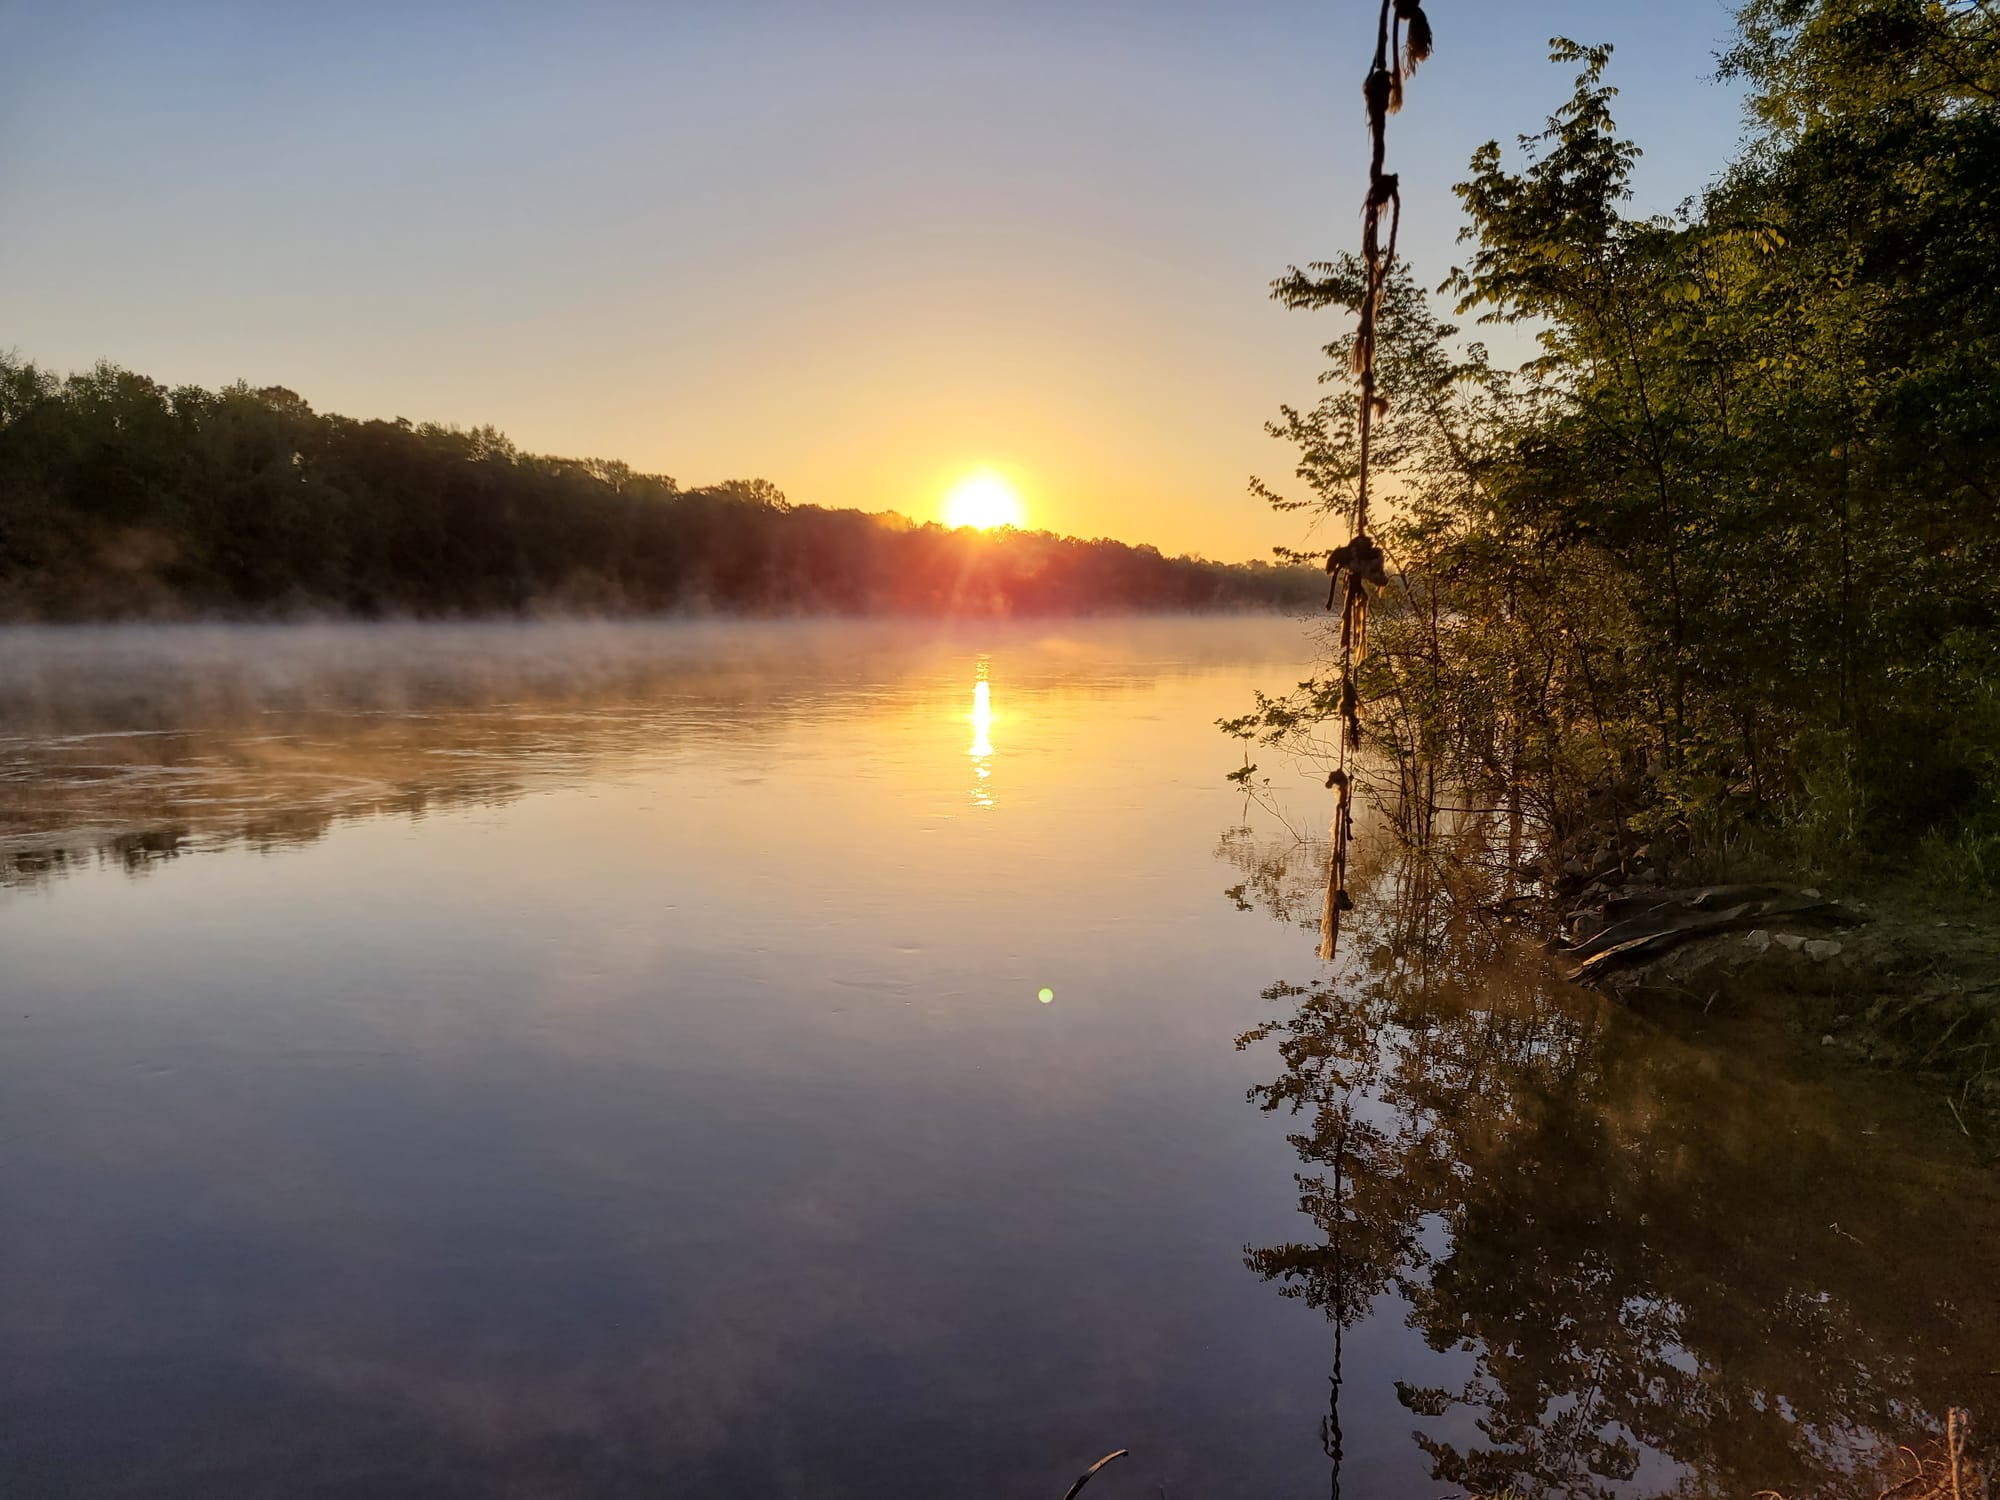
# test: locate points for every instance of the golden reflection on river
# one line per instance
(982, 737)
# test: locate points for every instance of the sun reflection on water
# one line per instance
(982, 738)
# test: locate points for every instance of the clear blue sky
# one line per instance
(857, 248)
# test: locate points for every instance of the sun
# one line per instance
(982, 501)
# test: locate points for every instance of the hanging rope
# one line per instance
(1357, 568)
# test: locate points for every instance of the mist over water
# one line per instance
(130, 741)
(612, 1059)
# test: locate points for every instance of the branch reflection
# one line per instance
(1673, 1269)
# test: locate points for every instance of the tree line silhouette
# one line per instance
(122, 497)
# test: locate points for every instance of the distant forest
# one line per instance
(120, 498)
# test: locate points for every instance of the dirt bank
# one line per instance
(1883, 972)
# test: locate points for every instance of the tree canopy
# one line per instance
(1727, 548)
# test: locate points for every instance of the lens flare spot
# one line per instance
(1045, 994)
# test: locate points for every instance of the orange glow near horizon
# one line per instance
(983, 500)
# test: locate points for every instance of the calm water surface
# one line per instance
(566, 1060)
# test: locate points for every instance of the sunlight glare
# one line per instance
(982, 719)
(983, 501)
(982, 738)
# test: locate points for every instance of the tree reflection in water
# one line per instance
(1673, 1269)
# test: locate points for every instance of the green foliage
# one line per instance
(1828, 814)
(1725, 555)
(1963, 858)
(121, 497)
(1816, 62)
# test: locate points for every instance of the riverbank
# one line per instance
(1882, 971)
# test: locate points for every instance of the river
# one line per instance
(863, 1059)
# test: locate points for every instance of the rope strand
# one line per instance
(1402, 40)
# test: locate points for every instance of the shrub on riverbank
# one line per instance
(1722, 562)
